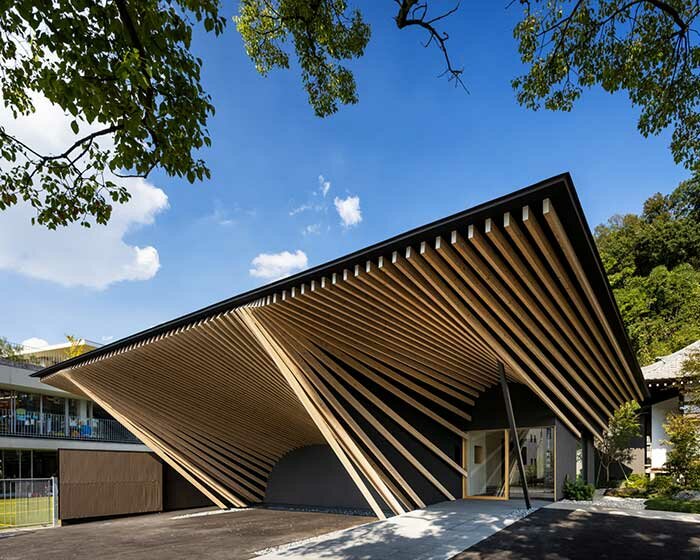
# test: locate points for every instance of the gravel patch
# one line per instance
(319, 509)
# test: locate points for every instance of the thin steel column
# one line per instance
(514, 432)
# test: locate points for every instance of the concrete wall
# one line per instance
(489, 411)
(588, 456)
(565, 457)
(17, 378)
(12, 442)
(179, 493)
(312, 476)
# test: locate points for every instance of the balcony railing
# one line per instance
(60, 426)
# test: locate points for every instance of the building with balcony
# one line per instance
(37, 420)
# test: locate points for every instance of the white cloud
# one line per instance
(312, 229)
(300, 209)
(34, 343)
(348, 210)
(324, 185)
(278, 265)
(74, 255)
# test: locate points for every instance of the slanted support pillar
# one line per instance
(514, 432)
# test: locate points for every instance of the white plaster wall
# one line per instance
(18, 379)
(658, 434)
(477, 472)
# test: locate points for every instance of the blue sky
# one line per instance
(413, 150)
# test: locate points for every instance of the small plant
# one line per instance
(614, 447)
(638, 483)
(578, 490)
(636, 486)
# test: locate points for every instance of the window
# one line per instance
(54, 405)
(9, 463)
(99, 412)
(44, 463)
(72, 407)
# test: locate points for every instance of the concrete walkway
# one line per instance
(437, 532)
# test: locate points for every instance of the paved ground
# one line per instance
(436, 533)
(560, 532)
(233, 535)
(462, 530)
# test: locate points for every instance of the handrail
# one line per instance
(33, 423)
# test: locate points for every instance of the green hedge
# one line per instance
(661, 503)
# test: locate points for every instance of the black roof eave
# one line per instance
(560, 188)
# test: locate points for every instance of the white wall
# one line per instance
(477, 472)
(53, 444)
(658, 434)
(18, 379)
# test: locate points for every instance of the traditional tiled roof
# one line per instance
(669, 367)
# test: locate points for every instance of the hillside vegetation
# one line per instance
(653, 263)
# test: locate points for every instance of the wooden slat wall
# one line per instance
(221, 400)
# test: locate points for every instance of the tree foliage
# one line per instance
(648, 48)
(323, 33)
(690, 375)
(125, 72)
(9, 350)
(614, 447)
(76, 348)
(653, 263)
(683, 457)
(122, 68)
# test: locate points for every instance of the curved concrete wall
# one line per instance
(312, 476)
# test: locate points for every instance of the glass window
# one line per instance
(99, 412)
(26, 411)
(25, 463)
(538, 458)
(9, 463)
(54, 405)
(6, 407)
(45, 463)
(72, 407)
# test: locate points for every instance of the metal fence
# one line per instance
(44, 425)
(28, 501)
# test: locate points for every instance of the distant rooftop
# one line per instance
(669, 367)
(61, 346)
(24, 355)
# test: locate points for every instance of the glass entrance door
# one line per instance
(537, 448)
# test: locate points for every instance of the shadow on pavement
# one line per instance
(580, 535)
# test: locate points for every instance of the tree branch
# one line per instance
(407, 17)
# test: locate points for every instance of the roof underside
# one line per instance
(425, 318)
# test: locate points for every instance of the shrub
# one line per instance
(662, 485)
(683, 458)
(663, 503)
(636, 486)
(578, 489)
